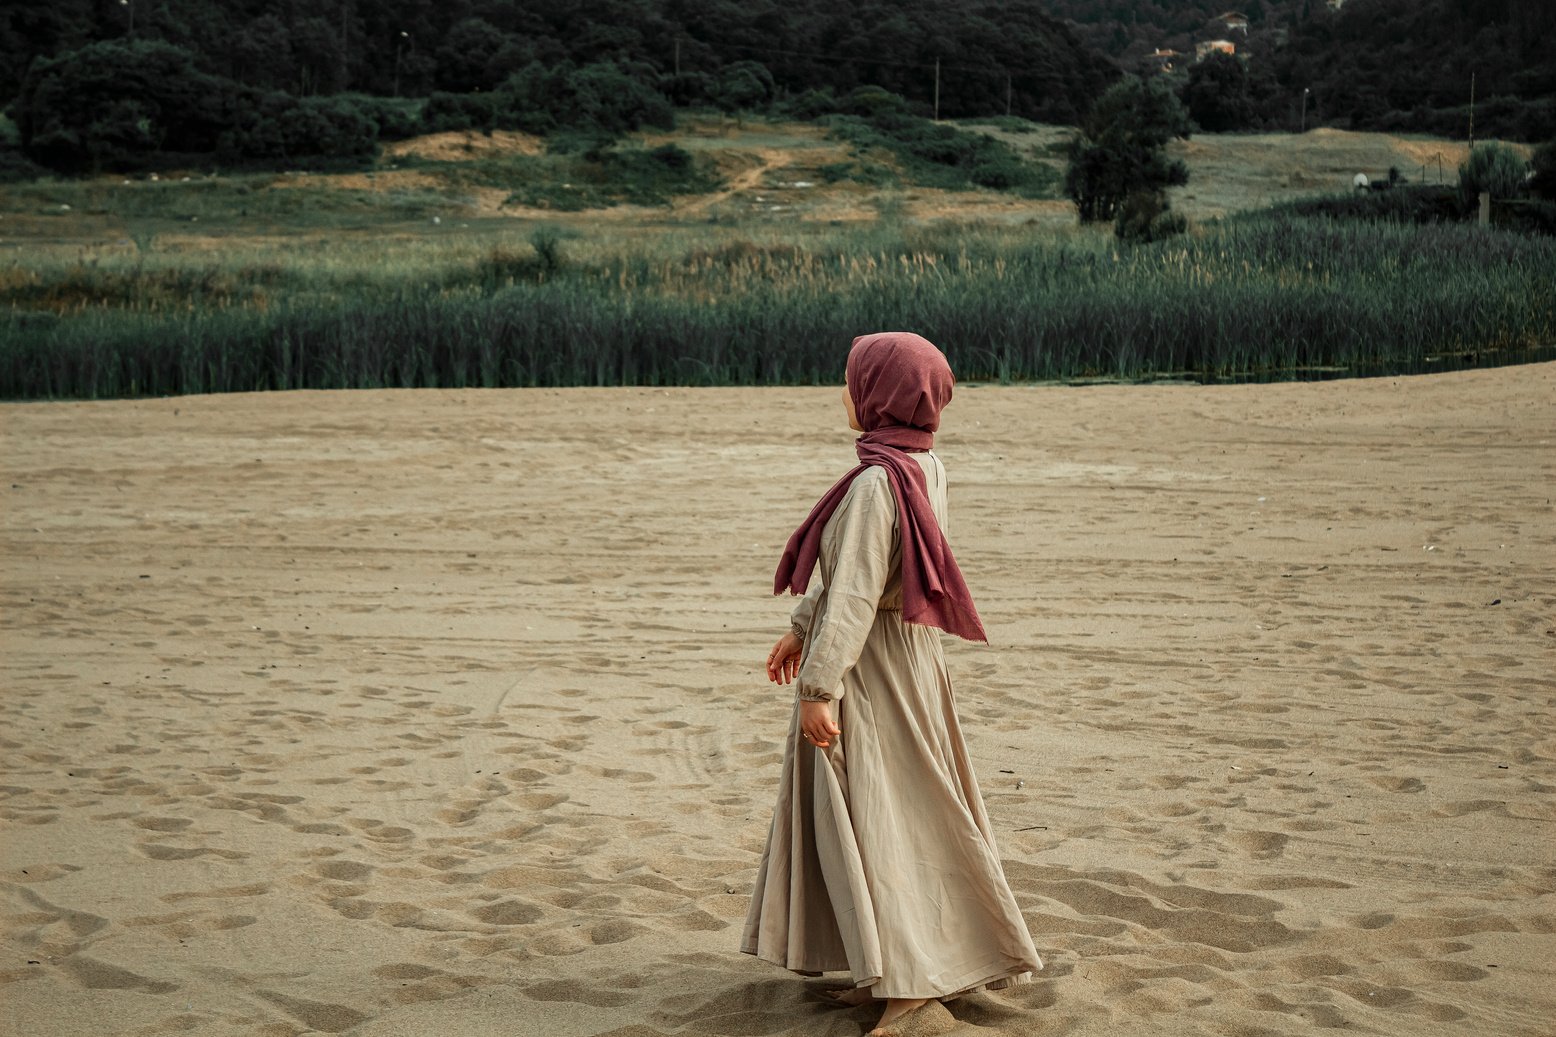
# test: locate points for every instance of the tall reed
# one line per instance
(1273, 297)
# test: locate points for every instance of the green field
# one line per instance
(742, 275)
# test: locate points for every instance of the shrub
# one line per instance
(1119, 151)
(1146, 216)
(1543, 183)
(119, 103)
(277, 126)
(937, 154)
(1406, 205)
(602, 96)
(1492, 167)
(444, 112)
(1217, 96)
(809, 106)
(547, 242)
(744, 85)
(392, 118)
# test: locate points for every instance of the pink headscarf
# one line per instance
(899, 383)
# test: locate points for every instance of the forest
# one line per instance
(93, 84)
(1393, 65)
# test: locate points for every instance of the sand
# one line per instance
(404, 713)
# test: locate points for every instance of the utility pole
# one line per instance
(345, 72)
(677, 57)
(937, 89)
(399, 44)
(1472, 111)
(1305, 92)
(1007, 94)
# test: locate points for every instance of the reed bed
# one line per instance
(1268, 298)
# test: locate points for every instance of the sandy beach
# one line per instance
(442, 713)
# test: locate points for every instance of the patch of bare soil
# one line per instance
(461, 145)
(376, 180)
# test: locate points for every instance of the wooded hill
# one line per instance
(991, 54)
(108, 83)
(1397, 65)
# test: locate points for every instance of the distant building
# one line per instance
(1209, 47)
(1234, 22)
(1335, 5)
(1163, 60)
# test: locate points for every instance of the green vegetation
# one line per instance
(597, 176)
(1119, 169)
(1267, 297)
(931, 154)
(97, 86)
(1496, 169)
(221, 199)
(1393, 65)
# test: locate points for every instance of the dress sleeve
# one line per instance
(804, 612)
(860, 568)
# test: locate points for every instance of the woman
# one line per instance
(880, 859)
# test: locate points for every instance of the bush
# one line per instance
(809, 106)
(602, 96)
(1146, 216)
(279, 127)
(1119, 151)
(392, 118)
(936, 154)
(744, 85)
(1217, 95)
(16, 167)
(1405, 205)
(1493, 167)
(444, 112)
(119, 103)
(1543, 183)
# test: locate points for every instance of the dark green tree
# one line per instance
(466, 60)
(600, 99)
(1121, 148)
(1493, 167)
(743, 86)
(262, 55)
(1217, 94)
(117, 102)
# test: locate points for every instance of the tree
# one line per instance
(115, 103)
(262, 54)
(466, 62)
(1217, 94)
(1120, 150)
(602, 99)
(743, 86)
(1493, 167)
(320, 61)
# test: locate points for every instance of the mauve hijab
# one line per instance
(899, 383)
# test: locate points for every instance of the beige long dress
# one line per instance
(881, 860)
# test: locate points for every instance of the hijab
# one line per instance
(899, 383)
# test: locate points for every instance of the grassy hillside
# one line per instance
(466, 259)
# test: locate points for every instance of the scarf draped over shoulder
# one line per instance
(899, 383)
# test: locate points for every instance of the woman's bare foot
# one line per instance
(852, 997)
(896, 1009)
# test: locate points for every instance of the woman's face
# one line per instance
(848, 406)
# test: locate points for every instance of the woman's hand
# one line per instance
(816, 725)
(783, 662)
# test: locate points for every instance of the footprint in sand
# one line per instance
(1390, 784)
